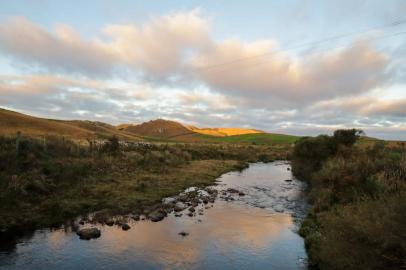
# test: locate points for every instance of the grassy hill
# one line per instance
(158, 128)
(222, 132)
(12, 122)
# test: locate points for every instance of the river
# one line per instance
(255, 231)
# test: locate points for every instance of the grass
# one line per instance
(255, 138)
(13, 122)
(44, 184)
(358, 195)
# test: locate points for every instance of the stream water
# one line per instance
(255, 231)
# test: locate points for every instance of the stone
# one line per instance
(157, 215)
(183, 233)
(125, 227)
(180, 206)
(110, 222)
(89, 233)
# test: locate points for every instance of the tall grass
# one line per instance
(45, 181)
(358, 195)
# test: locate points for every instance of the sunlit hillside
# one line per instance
(13, 122)
(221, 132)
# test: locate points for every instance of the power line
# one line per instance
(392, 24)
(319, 51)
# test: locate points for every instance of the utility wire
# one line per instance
(256, 64)
(392, 24)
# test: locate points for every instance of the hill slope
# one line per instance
(12, 122)
(222, 132)
(159, 128)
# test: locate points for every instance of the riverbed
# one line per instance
(254, 230)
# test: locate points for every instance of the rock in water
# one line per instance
(180, 206)
(125, 227)
(110, 222)
(183, 233)
(89, 233)
(157, 215)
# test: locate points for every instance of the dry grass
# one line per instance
(222, 132)
(12, 122)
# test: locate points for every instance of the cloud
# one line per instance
(172, 67)
(276, 76)
(63, 50)
(159, 47)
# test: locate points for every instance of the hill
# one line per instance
(154, 130)
(159, 128)
(11, 122)
(222, 132)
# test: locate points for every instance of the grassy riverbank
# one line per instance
(358, 196)
(44, 182)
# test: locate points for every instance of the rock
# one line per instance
(288, 169)
(192, 209)
(241, 193)
(205, 201)
(180, 206)
(178, 214)
(136, 217)
(110, 222)
(125, 227)
(168, 200)
(89, 233)
(195, 204)
(157, 215)
(182, 233)
(211, 190)
(190, 214)
(288, 180)
(232, 190)
(211, 200)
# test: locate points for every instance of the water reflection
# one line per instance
(230, 235)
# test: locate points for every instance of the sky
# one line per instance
(296, 67)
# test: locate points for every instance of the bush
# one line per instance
(357, 195)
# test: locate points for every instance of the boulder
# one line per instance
(192, 209)
(125, 227)
(157, 215)
(89, 233)
(110, 222)
(180, 206)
